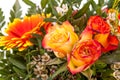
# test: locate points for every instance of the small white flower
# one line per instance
(62, 10)
(112, 16)
(116, 74)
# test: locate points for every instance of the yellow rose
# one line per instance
(60, 39)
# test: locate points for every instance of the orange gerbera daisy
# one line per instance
(19, 31)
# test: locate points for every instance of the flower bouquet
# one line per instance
(61, 40)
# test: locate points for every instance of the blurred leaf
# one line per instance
(33, 8)
(110, 3)
(31, 11)
(50, 20)
(4, 72)
(99, 64)
(30, 3)
(2, 79)
(111, 57)
(83, 10)
(19, 72)
(100, 2)
(1, 55)
(16, 12)
(60, 70)
(44, 3)
(53, 5)
(96, 7)
(88, 73)
(2, 22)
(98, 10)
(16, 6)
(15, 78)
(69, 13)
(54, 61)
(17, 63)
(80, 22)
(39, 39)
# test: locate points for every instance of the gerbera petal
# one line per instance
(19, 31)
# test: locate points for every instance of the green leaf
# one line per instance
(99, 64)
(16, 12)
(52, 5)
(39, 39)
(83, 10)
(60, 70)
(69, 13)
(2, 22)
(19, 72)
(4, 72)
(94, 5)
(110, 3)
(2, 79)
(54, 61)
(16, 6)
(30, 3)
(100, 2)
(17, 63)
(1, 55)
(50, 20)
(80, 22)
(88, 73)
(44, 3)
(111, 57)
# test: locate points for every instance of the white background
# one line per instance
(7, 5)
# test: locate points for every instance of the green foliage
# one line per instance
(83, 10)
(16, 12)
(44, 3)
(33, 8)
(2, 22)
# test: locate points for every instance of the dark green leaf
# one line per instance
(19, 72)
(44, 3)
(53, 8)
(1, 55)
(17, 63)
(99, 64)
(100, 2)
(4, 72)
(50, 20)
(94, 5)
(98, 10)
(110, 3)
(83, 10)
(69, 13)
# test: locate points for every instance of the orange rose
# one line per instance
(101, 32)
(98, 25)
(60, 38)
(112, 43)
(84, 54)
